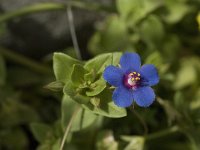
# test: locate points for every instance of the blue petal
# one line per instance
(144, 96)
(122, 97)
(150, 74)
(130, 62)
(113, 75)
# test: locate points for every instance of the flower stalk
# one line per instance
(69, 127)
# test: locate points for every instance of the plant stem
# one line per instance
(68, 127)
(73, 32)
(31, 64)
(162, 133)
(30, 9)
(52, 7)
(141, 120)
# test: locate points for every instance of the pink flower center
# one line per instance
(132, 80)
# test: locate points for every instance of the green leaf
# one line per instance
(69, 89)
(133, 11)
(67, 108)
(111, 110)
(186, 75)
(75, 93)
(81, 99)
(173, 15)
(90, 76)
(63, 66)
(77, 76)
(97, 87)
(112, 36)
(150, 37)
(156, 59)
(83, 118)
(2, 71)
(115, 58)
(55, 86)
(195, 104)
(56, 145)
(136, 142)
(198, 20)
(101, 61)
(40, 131)
(106, 106)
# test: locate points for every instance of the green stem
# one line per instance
(194, 144)
(68, 128)
(141, 120)
(73, 32)
(20, 59)
(52, 7)
(30, 9)
(162, 133)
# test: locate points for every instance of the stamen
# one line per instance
(132, 80)
(131, 74)
(137, 78)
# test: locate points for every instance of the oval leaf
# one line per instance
(106, 106)
(83, 118)
(101, 61)
(63, 66)
(77, 76)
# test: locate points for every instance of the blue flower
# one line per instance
(132, 81)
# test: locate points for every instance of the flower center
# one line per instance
(132, 80)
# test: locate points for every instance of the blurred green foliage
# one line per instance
(164, 33)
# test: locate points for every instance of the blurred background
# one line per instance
(164, 32)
